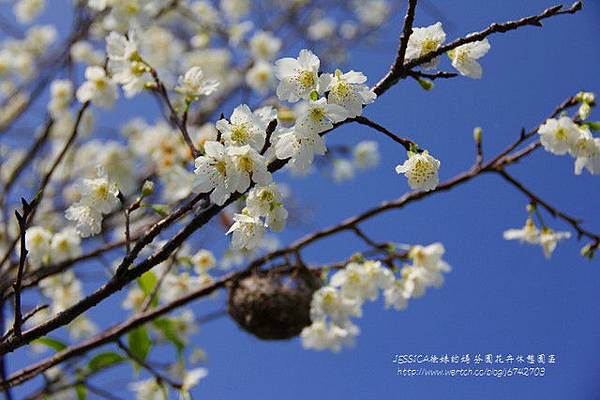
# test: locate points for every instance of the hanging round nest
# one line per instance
(273, 305)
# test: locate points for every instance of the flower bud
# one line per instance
(147, 188)
(584, 111)
(477, 132)
(426, 84)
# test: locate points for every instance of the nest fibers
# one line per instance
(273, 305)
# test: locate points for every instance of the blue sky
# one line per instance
(501, 297)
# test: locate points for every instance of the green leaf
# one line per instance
(168, 328)
(147, 282)
(52, 343)
(81, 391)
(160, 209)
(139, 343)
(594, 126)
(104, 360)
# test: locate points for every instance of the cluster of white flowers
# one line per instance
(264, 47)
(564, 136)
(464, 58)
(334, 305)
(98, 197)
(45, 247)
(176, 282)
(18, 56)
(65, 290)
(248, 230)
(231, 167)
(299, 79)
(28, 10)
(125, 63)
(529, 233)
(61, 96)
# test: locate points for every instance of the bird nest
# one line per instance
(272, 305)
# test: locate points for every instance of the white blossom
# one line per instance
(125, 63)
(88, 221)
(176, 285)
(65, 245)
(558, 135)
(416, 280)
(178, 181)
(149, 389)
(319, 116)
(421, 170)
(586, 150)
(529, 233)
(398, 294)
(261, 77)
(63, 289)
(331, 302)
(464, 58)
(244, 128)
(135, 299)
(362, 280)
(429, 257)
(203, 261)
(248, 166)
(82, 51)
(82, 327)
(424, 41)
(300, 148)
(100, 194)
(193, 377)
(37, 242)
(27, 10)
(366, 154)
(343, 170)
(321, 29)
(61, 96)
(549, 239)
(298, 77)
(247, 232)
(265, 201)
(349, 91)
(235, 9)
(98, 197)
(372, 12)
(264, 46)
(322, 335)
(194, 84)
(214, 172)
(98, 88)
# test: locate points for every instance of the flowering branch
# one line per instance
(47, 177)
(234, 160)
(536, 200)
(399, 68)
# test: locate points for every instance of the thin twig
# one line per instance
(407, 143)
(22, 222)
(180, 124)
(159, 376)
